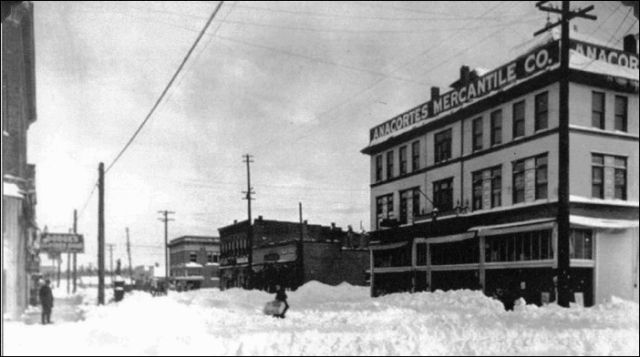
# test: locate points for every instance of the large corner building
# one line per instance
(464, 187)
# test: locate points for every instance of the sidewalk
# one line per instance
(65, 309)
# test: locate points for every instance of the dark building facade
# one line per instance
(326, 254)
(20, 261)
(194, 262)
(464, 187)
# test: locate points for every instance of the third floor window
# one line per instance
(442, 142)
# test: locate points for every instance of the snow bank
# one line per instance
(327, 320)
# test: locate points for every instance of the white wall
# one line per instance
(616, 261)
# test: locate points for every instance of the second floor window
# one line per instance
(541, 176)
(193, 257)
(403, 160)
(620, 118)
(443, 195)
(415, 156)
(518, 181)
(442, 149)
(620, 177)
(518, 119)
(415, 201)
(541, 111)
(404, 206)
(496, 127)
(597, 176)
(597, 110)
(389, 165)
(496, 186)
(477, 190)
(477, 134)
(378, 168)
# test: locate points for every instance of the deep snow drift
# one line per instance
(324, 320)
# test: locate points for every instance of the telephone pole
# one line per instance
(101, 234)
(249, 192)
(564, 286)
(301, 246)
(129, 255)
(165, 218)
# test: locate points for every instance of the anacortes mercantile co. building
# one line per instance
(464, 186)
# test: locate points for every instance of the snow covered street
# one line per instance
(327, 320)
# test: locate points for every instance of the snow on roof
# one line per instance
(193, 265)
(581, 62)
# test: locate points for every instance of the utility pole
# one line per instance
(301, 246)
(249, 192)
(564, 288)
(129, 255)
(165, 218)
(75, 255)
(101, 234)
(110, 246)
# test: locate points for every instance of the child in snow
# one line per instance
(282, 297)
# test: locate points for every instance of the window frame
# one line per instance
(541, 113)
(519, 122)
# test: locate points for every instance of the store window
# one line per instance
(461, 252)
(421, 254)
(523, 246)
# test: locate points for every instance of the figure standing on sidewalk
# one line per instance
(46, 300)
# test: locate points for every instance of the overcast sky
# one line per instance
(297, 85)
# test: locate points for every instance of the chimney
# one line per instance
(464, 75)
(435, 92)
(333, 225)
(630, 44)
(260, 218)
(235, 221)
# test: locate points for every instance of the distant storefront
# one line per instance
(194, 262)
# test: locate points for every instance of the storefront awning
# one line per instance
(452, 238)
(508, 228)
(188, 278)
(592, 222)
(388, 246)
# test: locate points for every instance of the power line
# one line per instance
(164, 92)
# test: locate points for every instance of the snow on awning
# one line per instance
(593, 222)
(10, 189)
(388, 246)
(188, 278)
(452, 238)
(524, 226)
(193, 265)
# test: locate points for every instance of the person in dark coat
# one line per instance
(46, 300)
(282, 297)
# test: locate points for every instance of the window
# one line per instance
(518, 119)
(477, 134)
(496, 127)
(521, 246)
(415, 155)
(477, 190)
(580, 244)
(496, 186)
(210, 257)
(378, 168)
(415, 201)
(404, 206)
(442, 145)
(518, 181)
(541, 176)
(597, 110)
(403, 160)
(193, 257)
(620, 118)
(462, 252)
(443, 195)
(384, 206)
(389, 165)
(597, 176)
(541, 111)
(421, 254)
(620, 177)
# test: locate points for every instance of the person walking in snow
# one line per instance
(46, 300)
(282, 297)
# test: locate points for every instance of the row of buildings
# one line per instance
(283, 253)
(464, 187)
(20, 260)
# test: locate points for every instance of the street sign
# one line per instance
(62, 243)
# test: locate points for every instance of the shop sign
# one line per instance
(62, 243)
